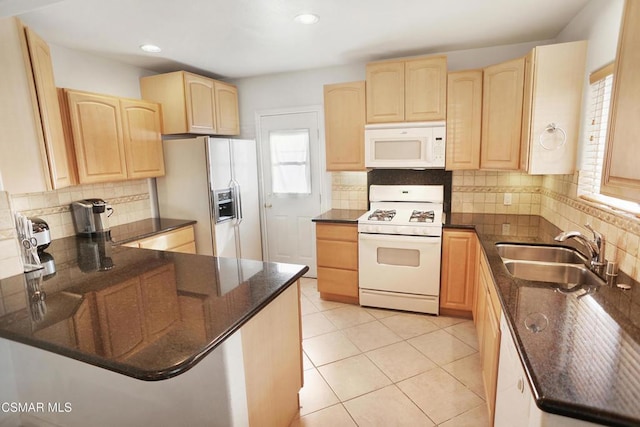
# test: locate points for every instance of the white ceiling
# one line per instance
(240, 38)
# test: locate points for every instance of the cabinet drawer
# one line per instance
(339, 282)
(337, 254)
(344, 232)
(169, 240)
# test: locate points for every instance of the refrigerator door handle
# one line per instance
(237, 201)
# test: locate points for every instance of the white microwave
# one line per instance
(405, 145)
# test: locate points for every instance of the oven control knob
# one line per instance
(425, 231)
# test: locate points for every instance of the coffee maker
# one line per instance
(91, 216)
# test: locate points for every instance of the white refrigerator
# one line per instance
(196, 169)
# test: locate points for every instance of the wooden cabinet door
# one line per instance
(96, 125)
(481, 308)
(385, 92)
(142, 135)
(502, 115)
(464, 120)
(425, 92)
(344, 120)
(159, 299)
(227, 116)
(60, 168)
(458, 270)
(490, 357)
(200, 101)
(621, 175)
(120, 316)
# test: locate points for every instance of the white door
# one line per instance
(289, 145)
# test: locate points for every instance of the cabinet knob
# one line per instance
(268, 205)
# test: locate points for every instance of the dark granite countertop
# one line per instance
(586, 363)
(145, 228)
(349, 216)
(147, 314)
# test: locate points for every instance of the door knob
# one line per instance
(268, 205)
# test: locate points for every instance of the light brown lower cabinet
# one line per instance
(487, 319)
(272, 348)
(180, 240)
(458, 275)
(337, 258)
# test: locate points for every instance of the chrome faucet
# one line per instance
(595, 246)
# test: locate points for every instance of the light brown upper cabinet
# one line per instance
(344, 120)
(34, 151)
(142, 138)
(464, 119)
(114, 138)
(193, 103)
(621, 175)
(96, 126)
(227, 108)
(502, 115)
(554, 77)
(409, 90)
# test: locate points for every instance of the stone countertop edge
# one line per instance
(499, 275)
(160, 374)
(340, 216)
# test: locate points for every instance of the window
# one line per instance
(290, 162)
(601, 83)
(590, 175)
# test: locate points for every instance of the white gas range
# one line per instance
(399, 246)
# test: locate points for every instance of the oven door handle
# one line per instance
(399, 238)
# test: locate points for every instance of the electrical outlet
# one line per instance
(506, 229)
(507, 199)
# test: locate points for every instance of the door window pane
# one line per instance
(290, 162)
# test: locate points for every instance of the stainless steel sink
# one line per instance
(565, 276)
(553, 254)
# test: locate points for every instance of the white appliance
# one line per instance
(405, 145)
(215, 182)
(399, 248)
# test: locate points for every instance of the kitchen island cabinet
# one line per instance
(168, 372)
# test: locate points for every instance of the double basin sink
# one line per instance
(563, 268)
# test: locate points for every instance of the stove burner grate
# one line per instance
(382, 215)
(422, 216)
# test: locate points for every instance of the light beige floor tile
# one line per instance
(465, 332)
(328, 348)
(386, 407)
(477, 417)
(353, 377)
(409, 325)
(323, 305)
(400, 361)
(372, 335)
(316, 393)
(380, 313)
(306, 307)
(441, 347)
(316, 324)
(334, 416)
(308, 286)
(306, 362)
(345, 317)
(445, 321)
(439, 395)
(468, 371)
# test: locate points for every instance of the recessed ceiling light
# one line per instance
(307, 18)
(150, 48)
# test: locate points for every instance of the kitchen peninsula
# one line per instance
(125, 336)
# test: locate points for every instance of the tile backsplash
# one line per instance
(130, 200)
(349, 190)
(484, 192)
